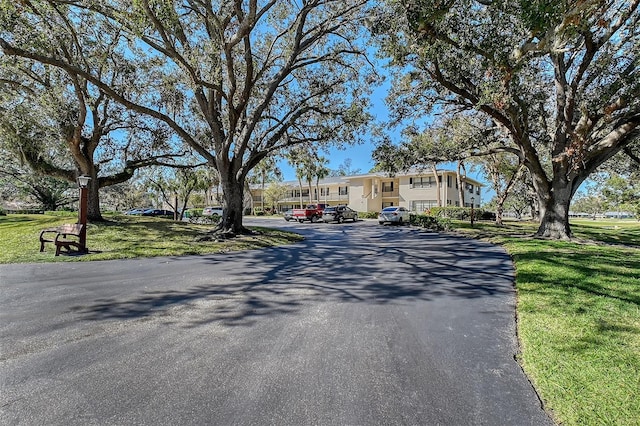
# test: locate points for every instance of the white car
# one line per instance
(211, 211)
(393, 214)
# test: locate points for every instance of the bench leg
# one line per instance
(59, 247)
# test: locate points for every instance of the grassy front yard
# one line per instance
(579, 318)
(123, 237)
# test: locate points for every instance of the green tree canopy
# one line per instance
(560, 78)
(236, 80)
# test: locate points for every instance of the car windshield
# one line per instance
(329, 209)
(389, 209)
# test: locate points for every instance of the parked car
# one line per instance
(134, 211)
(157, 212)
(288, 215)
(488, 216)
(393, 214)
(312, 213)
(211, 211)
(339, 214)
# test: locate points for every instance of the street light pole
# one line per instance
(473, 200)
(83, 181)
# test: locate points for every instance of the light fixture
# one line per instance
(473, 200)
(83, 181)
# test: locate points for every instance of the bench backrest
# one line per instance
(73, 229)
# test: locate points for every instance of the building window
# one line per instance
(448, 202)
(449, 181)
(423, 205)
(457, 203)
(324, 191)
(422, 182)
(343, 190)
(470, 188)
(387, 204)
(477, 190)
(387, 186)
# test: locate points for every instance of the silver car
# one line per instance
(393, 214)
(212, 211)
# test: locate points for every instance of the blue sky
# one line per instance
(360, 155)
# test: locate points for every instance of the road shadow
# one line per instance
(347, 264)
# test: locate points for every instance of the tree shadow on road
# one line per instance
(373, 265)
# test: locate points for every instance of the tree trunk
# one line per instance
(435, 174)
(554, 213)
(262, 195)
(500, 209)
(233, 193)
(460, 182)
(93, 201)
(300, 185)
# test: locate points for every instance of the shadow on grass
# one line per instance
(609, 235)
(579, 267)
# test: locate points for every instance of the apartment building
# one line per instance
(373, 191)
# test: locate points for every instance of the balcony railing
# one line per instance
(330, 197)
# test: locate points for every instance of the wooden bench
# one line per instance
(67, 236)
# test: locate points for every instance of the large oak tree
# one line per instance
(236, 80)
(54, 119)
(560, 77)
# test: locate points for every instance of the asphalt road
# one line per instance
(358, 325)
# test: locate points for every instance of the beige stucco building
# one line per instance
(373, 191)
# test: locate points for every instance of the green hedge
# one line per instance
(431, 222)
(459, 213)
(193, 213)
(368, 215)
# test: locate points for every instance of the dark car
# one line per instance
(488, 216)
(134, 212)
(339, 214)
(157, 212)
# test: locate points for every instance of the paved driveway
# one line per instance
(357, 325)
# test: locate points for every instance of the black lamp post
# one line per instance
(83, 181)
(473, 200)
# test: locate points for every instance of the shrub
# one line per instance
(461, 213)
(368, 215)
(431, 222)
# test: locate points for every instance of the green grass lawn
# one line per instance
(122, 237)
(579, 318)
